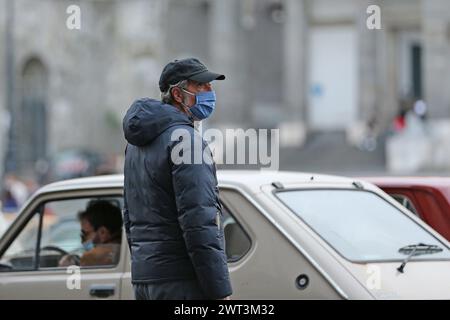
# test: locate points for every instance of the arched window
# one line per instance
(31, 119)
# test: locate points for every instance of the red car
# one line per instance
(427, 197)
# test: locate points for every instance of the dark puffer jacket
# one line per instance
(172, 213)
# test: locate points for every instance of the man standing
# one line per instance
(172, 213)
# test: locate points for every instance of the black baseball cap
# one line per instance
(186, 69)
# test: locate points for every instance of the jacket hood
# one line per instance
(148, 118)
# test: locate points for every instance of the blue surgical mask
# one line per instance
(88, 245)
(205, 103)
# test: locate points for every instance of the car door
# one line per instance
(263, 264)
(35, 251)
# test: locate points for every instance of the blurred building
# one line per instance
(71, 87)
(301, 65)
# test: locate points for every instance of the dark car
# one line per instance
(427, 197)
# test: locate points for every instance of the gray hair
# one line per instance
(166, 97)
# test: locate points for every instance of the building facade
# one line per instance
(300, 65)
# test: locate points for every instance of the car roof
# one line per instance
(250, 180)
(254, 179)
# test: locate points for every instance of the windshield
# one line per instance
(360, 225)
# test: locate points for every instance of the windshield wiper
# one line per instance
(417, 250)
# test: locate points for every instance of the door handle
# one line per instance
(102, 290)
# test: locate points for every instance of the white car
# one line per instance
(288, 236)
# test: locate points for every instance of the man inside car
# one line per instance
(101, 234)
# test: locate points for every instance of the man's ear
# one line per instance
(177, 95)
(103, 233)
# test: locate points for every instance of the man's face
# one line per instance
(87, 231)
(192, 87)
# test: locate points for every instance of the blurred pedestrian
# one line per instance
(369, 141)
(9, 204)
(420, 109)
(15, 193)
(172, 213)
(399, 122)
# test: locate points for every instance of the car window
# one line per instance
(237, 242)
(21, 253)
(406, 202)
(360, 225)
(85, 231)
